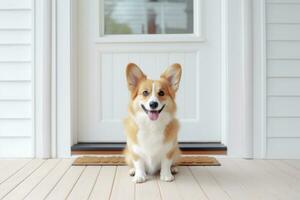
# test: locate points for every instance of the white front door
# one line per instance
(153, 34)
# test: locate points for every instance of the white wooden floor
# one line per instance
(235, 179)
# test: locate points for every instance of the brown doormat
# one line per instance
(118, 161)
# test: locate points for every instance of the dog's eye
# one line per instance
(145, 93)
(161, 93)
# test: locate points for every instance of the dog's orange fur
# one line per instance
(170, 132)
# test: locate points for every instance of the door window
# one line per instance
(148, 17)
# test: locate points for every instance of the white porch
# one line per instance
(242, 179)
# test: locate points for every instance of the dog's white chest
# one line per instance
(151, 148)
(150, 143)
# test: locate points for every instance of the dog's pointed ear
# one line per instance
(173, 75)
(134, 75)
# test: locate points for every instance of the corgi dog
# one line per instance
(151, 127)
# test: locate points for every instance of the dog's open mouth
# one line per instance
(153, 114)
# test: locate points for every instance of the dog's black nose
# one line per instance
(153, 104)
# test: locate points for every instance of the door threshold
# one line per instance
(187, 148)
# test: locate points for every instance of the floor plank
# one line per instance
(236, 179)
(168, 190)
(284, 184)
(259, 181)
(85, 183)
(123, 188)
(293, 163)
(19, 177)
(209, 184)
(34, 179)
(287, 173)
(66, 184)
(287, 169)
(150, 187)
(49, 182)
(188, 186)
(10, 167)
(254, 178)
(230, 182)
(103, 186)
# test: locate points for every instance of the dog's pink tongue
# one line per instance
(153, 115)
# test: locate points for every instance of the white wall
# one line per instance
(16, 78)
(283, 78)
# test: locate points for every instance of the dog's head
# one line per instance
(153, 98)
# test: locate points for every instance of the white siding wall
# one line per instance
(283, 78)
(16, 78)
(17, 70)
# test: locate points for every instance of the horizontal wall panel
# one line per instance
(15, 109)
(15, 53)
(283, 13)
(284, 148)
(15, 36)
(284, 106)
(15, 4)
(15, 127)
(283, 127)
(15, 71)
(283, 78)
(16, 147)
(283, 31)
(286, 68)
(283, 1)
(283, 49)
(283, 86)
(15, 19)
(15, 90)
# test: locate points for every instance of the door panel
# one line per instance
(103, 95)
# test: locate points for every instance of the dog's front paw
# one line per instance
(139, 178)
(167, 177)
(174, 170)
(131, 172)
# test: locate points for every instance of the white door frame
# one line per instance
(237, 69)
(42, 78)
(259, 80)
